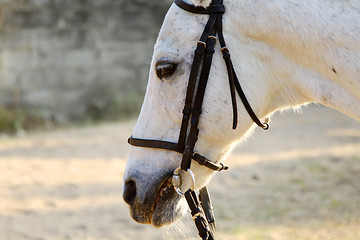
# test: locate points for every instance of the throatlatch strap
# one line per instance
(246, 103)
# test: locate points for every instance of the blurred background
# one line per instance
(66, 61)
(73, 75)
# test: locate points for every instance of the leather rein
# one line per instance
(201, 209)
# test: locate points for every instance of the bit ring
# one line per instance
(176, 180)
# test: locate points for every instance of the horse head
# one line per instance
(271, 77)
(147, 187)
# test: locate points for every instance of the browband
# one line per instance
(200, 10)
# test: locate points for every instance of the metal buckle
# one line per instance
(224, 48)
(176, 180)
(201, 42)
(198, 214)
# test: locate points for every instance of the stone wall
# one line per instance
(68, 60)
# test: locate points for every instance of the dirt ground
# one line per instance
(299, 180)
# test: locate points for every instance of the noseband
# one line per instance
(198, 79)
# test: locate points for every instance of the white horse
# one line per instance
(286, 53)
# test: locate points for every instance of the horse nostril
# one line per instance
(129, 191)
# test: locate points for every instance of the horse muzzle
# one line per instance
(153, 199)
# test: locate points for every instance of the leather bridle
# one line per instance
(201, 210)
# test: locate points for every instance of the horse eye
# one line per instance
(165, 69)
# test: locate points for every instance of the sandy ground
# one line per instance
(299, 180)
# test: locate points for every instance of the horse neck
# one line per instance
(307, 51)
